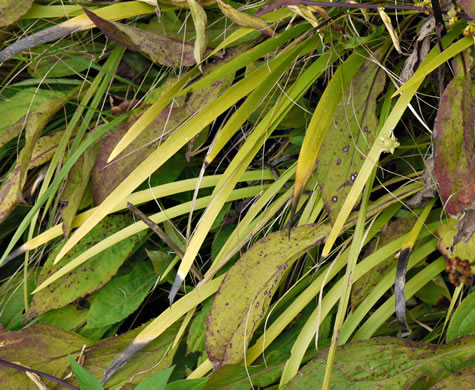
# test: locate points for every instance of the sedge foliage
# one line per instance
(277, 151)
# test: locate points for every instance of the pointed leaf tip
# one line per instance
(176, 286)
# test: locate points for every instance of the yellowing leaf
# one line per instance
(244, 19)
(389, 26)
(200, 20)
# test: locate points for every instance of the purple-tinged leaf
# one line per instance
(163, 50)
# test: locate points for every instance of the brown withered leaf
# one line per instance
(161, 49)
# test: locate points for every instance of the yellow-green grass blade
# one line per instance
(171, 146)
(38, 11)
(246, 58)
(78, 23)
(387, 309)
(430, 65)
(356, 317)
(355, 249)
(137, 227)
(292, 311)
(150, 115)
(56, 182)
(94, 94)
(300, 302)
(274, 16)
(252, 102)
(252, 222)
(307, 333)
(243, 158)
(376, 150)
(139, 198)
(163, 322)
(321, 121)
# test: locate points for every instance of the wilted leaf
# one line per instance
(462, 322)
(163, 50)
(454, 150)
(13, 10)
(121, 296)
(244, 19)
(386, 363)
(459, 258)
(350, 137)
(392, 33)
(51, 347)
(89, 276)
(246, 292)
(469, 7)
(11, 192)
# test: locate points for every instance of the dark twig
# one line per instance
(39, 373)
(163, 236)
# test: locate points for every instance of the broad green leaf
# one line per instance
(25, 103)
(200, 21)
(55, 344)
(13, 10)
(157, 382)
(69, 317)
(244, 19)
(121, 296)
(163, 50)
(86, 379)
(462, 322)
(246, 292)
(88, 278)
(454, 137)
(321, 120)
(350, 136)
(387, 363)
